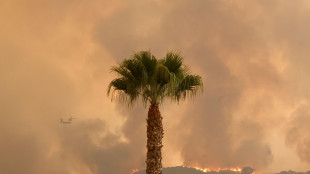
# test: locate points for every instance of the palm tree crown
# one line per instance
(153, 79)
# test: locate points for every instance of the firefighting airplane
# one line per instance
(66, 122)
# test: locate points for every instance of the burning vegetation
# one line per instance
(198, 170)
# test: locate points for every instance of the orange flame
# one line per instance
(235, 169)
(205, 170)
(135, 170)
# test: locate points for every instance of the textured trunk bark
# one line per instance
(155, 133)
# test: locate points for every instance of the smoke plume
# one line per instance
(56, 56)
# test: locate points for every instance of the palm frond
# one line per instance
(148, 61)
(173, 61)
(124, 90)
(190, 85)
(162, 74)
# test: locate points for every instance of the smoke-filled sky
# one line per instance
(55, 59)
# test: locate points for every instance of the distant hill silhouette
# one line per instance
(292, 172)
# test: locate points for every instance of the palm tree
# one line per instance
(153, 80)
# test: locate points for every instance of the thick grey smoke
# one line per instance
(55, 59)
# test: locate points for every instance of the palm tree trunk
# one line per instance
(155, 133)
